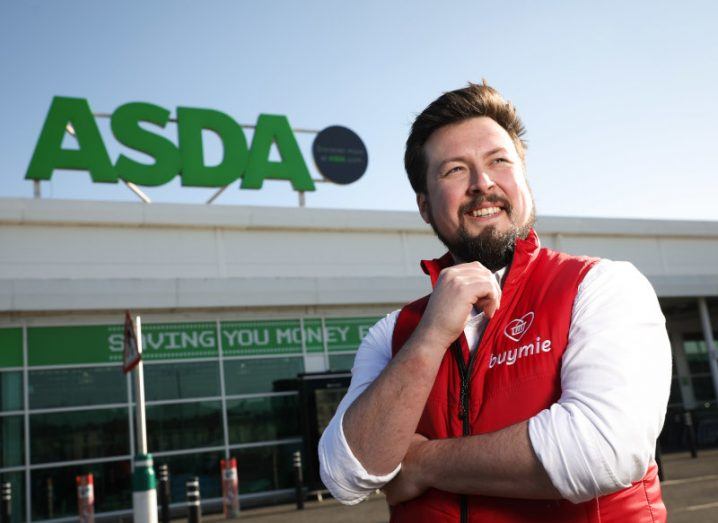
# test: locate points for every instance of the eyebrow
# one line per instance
(496, 150)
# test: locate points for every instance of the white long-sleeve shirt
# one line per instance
(615, 378)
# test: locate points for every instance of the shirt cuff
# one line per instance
(563, 464)
(341, 471)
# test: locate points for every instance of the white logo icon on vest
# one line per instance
(518, 327)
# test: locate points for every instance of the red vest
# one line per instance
(516, 374)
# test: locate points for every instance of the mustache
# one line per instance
(481, 198)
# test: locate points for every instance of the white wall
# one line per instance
(76, 255)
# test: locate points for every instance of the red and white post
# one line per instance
(230, 488)
(86, 498)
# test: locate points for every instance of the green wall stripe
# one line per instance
(88, 344)
(10, 347)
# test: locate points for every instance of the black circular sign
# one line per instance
(340, 155)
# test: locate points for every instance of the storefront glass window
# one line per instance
(54, 490)
(76, 387)
(697, 356)
(339, 362)
(248, 376)
(167, 381)
(265, 468)
(17, 486)
(64, 436)
(703, 387)
(11, 390)
(11, 438)
(183, 426)
(205, 466)
(262, 419)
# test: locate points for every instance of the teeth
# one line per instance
(485, 212)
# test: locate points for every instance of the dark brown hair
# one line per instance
(453, 107)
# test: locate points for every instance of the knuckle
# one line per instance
(447, 275)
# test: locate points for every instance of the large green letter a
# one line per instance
(275, 129)
(91, 154)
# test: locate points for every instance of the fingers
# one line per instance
(457, 291)
(489, 303)
(478, 285)
(488, 307)
(470, 282)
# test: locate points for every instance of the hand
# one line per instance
(457, 290)
(409, 483)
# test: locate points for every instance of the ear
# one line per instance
(423, 203)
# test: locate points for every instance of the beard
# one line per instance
(492, 248)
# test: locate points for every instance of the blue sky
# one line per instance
(619, 98)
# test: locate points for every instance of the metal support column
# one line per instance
(710, 342)
(684, 372)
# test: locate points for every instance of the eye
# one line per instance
(454, 170)
(500, 160)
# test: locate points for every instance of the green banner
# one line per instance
(261, 337)
(285, 336)
(345, 334)
(10, 347)
(88, 344)
(104, 343)
(313, 340)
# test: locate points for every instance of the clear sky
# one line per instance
(619, 98)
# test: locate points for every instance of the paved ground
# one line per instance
(690, 491)
(690, 488)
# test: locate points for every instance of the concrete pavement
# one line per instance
(690, 488)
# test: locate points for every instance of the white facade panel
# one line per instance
(40, 252)
(419, 247)
(644, 253)
(549, 241)
(81, 256)
(312, 253)
(690, 256)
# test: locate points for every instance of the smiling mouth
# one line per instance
(485, 212)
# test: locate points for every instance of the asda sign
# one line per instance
(339, 154)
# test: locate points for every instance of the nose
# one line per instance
(481, 182)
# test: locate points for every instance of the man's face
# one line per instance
(477, 198)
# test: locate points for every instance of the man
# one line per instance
(530, 385)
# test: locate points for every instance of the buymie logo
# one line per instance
(515, 330)
(518, 327)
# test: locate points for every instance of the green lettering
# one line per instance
(275, 129)
(190, 123)
(125, 126)
(90, 155)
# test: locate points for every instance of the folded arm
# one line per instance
(374, 425)
(340, 470)
(379, 425)
(362, 448)
(500, 463)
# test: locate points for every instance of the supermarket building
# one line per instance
(234, 302)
